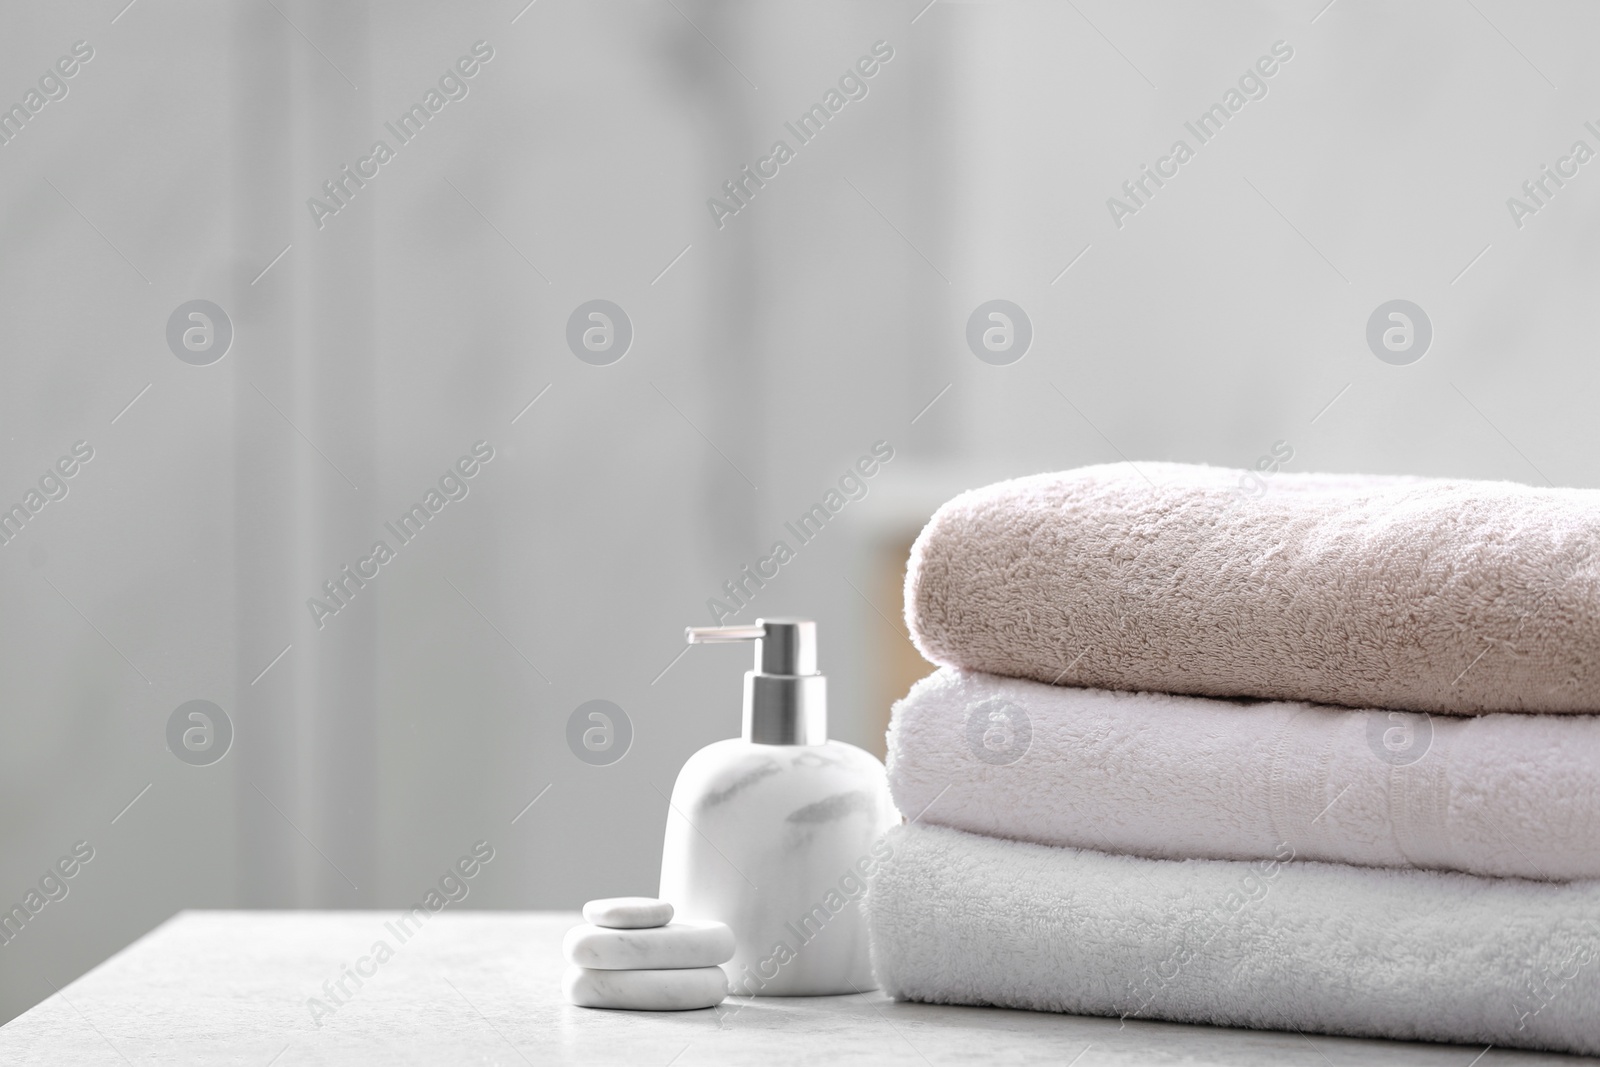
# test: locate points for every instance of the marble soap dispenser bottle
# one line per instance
(775, 833)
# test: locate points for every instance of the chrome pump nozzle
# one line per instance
(785, 699)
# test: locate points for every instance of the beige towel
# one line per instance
(1416, 594)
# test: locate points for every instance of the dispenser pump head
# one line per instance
(785, 699)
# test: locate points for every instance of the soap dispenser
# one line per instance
(775, 833)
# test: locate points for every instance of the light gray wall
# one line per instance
(1221, 318)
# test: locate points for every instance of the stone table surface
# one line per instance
(484, 988)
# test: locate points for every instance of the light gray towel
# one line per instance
(1181, 777)
(956, 918)
(1458, 597)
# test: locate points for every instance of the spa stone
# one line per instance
(628, 913)
(677, 945)
(682, 989)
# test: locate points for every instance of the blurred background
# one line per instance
(747, 359)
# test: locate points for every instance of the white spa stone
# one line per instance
(683, 944)
(628, 913)
(681, 989)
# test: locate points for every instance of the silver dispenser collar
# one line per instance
(785, 699)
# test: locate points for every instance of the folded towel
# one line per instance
(1180, 777)
(956, 918)
(1458, 597)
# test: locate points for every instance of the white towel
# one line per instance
(1177, 777)
(956, 918)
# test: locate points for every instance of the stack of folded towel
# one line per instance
(1323, 758)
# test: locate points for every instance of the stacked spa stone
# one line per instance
(631, 955)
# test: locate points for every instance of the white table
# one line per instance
(484, 988)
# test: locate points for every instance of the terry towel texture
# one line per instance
(1459, 597)
(960, 919)
(1180, 777)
